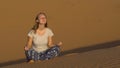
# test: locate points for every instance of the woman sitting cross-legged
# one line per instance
(40, 45)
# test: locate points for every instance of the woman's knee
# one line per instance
(55, 47)
(29, 52)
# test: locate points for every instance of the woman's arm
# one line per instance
(29, 43)
(50, 41)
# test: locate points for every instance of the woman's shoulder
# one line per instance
(50, 32)
(49, 29)
(31, 31)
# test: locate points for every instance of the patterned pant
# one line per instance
(48, 54)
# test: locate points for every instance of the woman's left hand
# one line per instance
(26, 48)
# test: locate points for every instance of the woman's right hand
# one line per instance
(26, 48)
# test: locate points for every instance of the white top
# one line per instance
(40, 42)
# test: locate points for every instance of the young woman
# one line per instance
(40, 44)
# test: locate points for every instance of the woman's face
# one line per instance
(42, 19)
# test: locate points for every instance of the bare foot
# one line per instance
(31, 61)
(39, 61)
(59, 44)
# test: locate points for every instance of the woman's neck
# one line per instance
(41, 27)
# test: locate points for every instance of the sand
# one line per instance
(103, 58)
(92, 57)
(82, 26)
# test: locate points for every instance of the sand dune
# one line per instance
(79, 24)
(92, 57)
(103, 58)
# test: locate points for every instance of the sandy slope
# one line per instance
(77, 23)
(101, 58)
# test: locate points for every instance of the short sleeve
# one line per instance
(30, 33)
(50, 32)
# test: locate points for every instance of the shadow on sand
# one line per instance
(77, 50)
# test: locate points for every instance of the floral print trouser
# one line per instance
(46, 55)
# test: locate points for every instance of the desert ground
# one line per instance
(89, 30)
